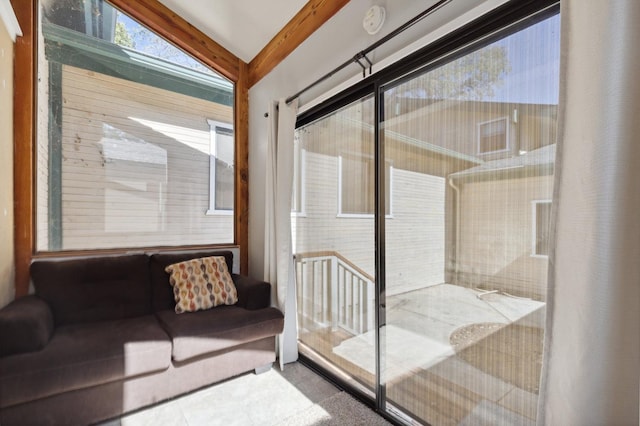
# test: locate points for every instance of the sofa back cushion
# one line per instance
(161, 291)
(94, 288)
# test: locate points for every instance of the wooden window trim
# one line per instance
(167, 24)
(311, 17)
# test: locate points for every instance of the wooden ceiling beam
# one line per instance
(163, 21)
(311, 17)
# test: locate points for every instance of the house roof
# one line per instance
(73, 48)
(540, 161)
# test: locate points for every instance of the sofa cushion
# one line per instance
(26, 325)
(224, 327)
(201, 283)
(84, 355)
(161, 291)
(252, 293)
(97, 288)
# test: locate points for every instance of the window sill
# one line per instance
(359, 216)
(219, 212)
(540, 256)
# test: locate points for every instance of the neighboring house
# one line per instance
(138, 150)
(502, 230)
(462, 201)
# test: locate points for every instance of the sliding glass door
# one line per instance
(420, 218)
(334, 240)
(471, 143)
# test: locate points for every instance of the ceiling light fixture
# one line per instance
(373, 19)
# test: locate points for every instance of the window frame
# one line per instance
(506, 136)
(171, 27)
(534, 228)
(299, 182)
(213, 149)
(389, 174)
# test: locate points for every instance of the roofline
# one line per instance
(112, 59)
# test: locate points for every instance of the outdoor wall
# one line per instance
(415, 233)
(335, 42)
(127, 144)
(7, 264)
(496, 242)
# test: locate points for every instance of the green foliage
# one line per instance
(122, 36)
(148, 42)
(471, 77)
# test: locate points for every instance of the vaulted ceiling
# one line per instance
(243, 27)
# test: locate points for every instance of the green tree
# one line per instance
(148, 42)
(471, 77)
(122, 36)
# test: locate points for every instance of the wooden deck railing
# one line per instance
(334, 292)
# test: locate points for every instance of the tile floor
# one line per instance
(270, 398)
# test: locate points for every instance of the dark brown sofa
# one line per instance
(100, 338)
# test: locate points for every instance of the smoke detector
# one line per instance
(373, 19)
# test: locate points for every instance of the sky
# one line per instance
(534, 55)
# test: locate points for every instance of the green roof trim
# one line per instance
(69, 47)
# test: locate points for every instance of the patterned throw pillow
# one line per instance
(200, 284)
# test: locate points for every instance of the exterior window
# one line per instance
(493, 136)
(123, 141)
(541, 219)
(221, 169)
(298, 191)
(357, 183)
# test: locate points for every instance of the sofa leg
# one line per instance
(263, 368)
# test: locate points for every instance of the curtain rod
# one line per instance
(358, 57)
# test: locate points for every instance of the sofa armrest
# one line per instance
(26, 325)
(252, 294)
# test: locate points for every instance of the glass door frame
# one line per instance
(501, 22)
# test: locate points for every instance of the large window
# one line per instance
(126, 154)
(493, 136)
(357, 196)
(221, 168)
(541, 214)
(298, 194)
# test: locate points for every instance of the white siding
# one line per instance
(135, 165)
(415, 234)
(496, 236)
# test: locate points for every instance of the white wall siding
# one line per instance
(496, 236)
(415, 236)
(135, 165)
(415, 233)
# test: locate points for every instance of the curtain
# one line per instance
(592, 346)
(278, 257)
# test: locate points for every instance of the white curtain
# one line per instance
(278, 257)
(591, 371)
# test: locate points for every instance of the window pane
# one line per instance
(542, 221)
(472, 147)
(357, 185)
(123, 137)
(493, 136)
(335, 253)
(297, 192)
(224, 169)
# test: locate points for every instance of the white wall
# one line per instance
(337, 41)
(7, 268)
